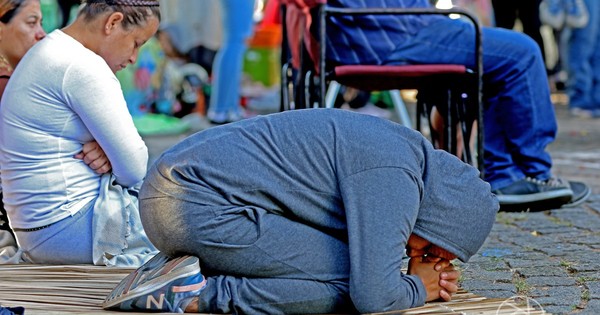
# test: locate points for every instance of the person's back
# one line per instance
(70, 154)
(42, 180)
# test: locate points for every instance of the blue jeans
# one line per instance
(583, 61)
(228, 64)
(68, 241)
(519, 120)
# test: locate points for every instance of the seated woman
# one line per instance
(65, 94)
(20, 28)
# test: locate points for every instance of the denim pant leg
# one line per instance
(519, 117)
(68, 241)
(284, 266)
(583, 62)
(228, 64)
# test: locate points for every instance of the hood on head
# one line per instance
(458, 208)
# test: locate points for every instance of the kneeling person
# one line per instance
(306, 211)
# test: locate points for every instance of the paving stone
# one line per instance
(493, 294)
(589, 276)
(473, 284)
(559, 309)
(551, 281)
(538, 271)
(584, 267)
(493, 276)
(594, 288)
(522, 264)
(560, 295)
(592, 307)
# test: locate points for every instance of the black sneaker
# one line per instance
(530, 194)
(581, 192)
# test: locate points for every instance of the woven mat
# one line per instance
(80, 289)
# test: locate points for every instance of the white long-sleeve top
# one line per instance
(61, 96)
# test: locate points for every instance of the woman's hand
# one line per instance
(93, 155)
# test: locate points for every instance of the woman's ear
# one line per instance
(114, 19)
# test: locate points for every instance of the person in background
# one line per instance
(66, 6)
(305, 212)
(563, 16)
(20, 29)
(519, 116)
(582, 62)
(506, 13)
(62, 209)
(237, 21)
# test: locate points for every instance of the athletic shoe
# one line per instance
(577, 14)
(163, 284)
(552, 12)
(581, 192)
(530, 194)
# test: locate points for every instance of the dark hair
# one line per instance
(9, 8)
(135, 12)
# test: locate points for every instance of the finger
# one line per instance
(414, 252)
(450, 287)
(92, 156)
(97, 162)
(432, 259)
(442, 264)
(89, 146)
(79, 156)
(104, 169)
(445, 296)
(450, 275)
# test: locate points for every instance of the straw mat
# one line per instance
(80, 289)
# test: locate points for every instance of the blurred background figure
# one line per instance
(20, 29)
(227, 69)
(506, 13)
(66, 8)
(582, 61)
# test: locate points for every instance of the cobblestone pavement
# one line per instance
(552, 257)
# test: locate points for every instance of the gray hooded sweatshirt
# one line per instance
(364, 180)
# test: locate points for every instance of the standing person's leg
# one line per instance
(227, 69)
(505, 13)
(519, 116)
(596, 57)
(529, 14)
(582, 48)
(255, 261)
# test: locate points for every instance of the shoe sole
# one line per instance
(536, 206)
(173, 269)
(582, 199)
(535, 198)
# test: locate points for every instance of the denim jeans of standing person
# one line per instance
(519, 119)
(227, 68)
(506, 13)
(583, 64)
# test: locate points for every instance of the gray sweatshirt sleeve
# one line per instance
(381, 207)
